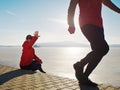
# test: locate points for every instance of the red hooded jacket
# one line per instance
(28, 53)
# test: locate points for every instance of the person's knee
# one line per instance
(35, 66)
(103, 50)
(107, 49)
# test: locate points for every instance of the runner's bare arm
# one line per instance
(111, 5)
(71, 12)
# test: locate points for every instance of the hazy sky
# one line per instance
(21, 17)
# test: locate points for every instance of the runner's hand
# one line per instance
(71, 29)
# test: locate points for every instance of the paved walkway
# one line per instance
(16, 79)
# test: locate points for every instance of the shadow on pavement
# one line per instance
(12, 74)
(84, 87)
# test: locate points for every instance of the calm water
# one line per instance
(60, 60)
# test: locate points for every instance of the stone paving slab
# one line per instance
(16, 79)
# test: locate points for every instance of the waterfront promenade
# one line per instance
(15, 79)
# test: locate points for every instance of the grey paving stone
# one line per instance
(16, 79)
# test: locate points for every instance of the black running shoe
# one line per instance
(88, 82)
(83, 80)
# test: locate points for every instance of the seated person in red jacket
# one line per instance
(29, 61)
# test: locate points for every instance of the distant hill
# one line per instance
(115, 45)
(67, 44)
(61, 44)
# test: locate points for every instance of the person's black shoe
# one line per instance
(41, 70)
(88, 82)
(78, 71)
(83, 80)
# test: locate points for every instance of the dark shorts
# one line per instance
(33, 66)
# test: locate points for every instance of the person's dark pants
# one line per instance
(95, 35)
(33, 66)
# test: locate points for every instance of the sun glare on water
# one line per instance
(74, 50)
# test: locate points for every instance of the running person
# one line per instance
(91, 25)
